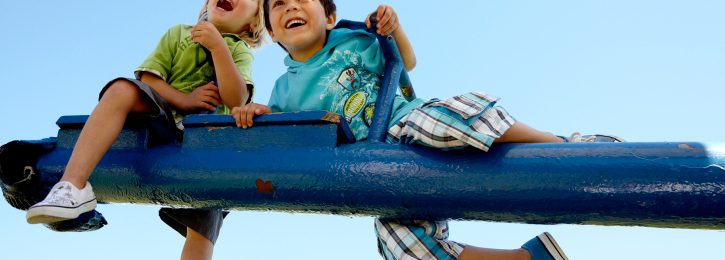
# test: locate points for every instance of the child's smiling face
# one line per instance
(232, 16)
(300, 26)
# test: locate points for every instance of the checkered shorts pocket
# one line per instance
(457, 122)
(467, 105)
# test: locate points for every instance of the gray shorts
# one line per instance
(165, 130)
(206, 222)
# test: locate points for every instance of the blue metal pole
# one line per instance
(395, 74)
(290, 164)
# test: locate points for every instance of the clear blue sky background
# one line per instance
(646, 70)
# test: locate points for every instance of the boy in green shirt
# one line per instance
(178, 78)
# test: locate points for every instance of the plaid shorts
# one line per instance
(466, 120)
(415, 239)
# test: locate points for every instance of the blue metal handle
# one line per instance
(406, 87)
(394, 69)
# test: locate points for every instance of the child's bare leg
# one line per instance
(196, 246)
(102, 129)
(473, 253)
(521, 133)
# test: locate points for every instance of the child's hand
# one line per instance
(244, 115)
(204, 97)
(387, 20)
(206, 34)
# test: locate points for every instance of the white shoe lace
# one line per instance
(60, 195)
(576, 137)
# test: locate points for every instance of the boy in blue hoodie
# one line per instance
(340, 71)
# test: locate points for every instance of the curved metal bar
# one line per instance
(394, 73)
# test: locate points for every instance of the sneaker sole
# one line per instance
(552, 247)
(52, 214)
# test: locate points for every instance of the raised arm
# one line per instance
(232, 86)
(388, 24)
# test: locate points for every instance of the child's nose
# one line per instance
(293, 5)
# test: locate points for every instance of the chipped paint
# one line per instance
(686, 147)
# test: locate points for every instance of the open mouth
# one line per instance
(226, 5)
(294, 23)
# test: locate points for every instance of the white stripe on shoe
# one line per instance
(63, 202)
(552, 247)
(46, 214)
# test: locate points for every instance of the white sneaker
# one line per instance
(64, 202)
(576, 137)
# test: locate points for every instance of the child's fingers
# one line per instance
(199, 33)
(211, 96)
(212, 100)
(261, 110)
(381, 12)
(196, 32)
(212, 90)
(242, 119)
(236, 114)
(383, 16)
(200, 27)
(389, 27)
(249, 116)
(367, 21)
(209, 86)
(243, 116)
(206, 106)
(215, 93)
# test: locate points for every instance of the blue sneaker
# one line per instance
(544, 247)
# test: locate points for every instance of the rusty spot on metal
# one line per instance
(332, 118)
(266, 187)
(686, 147)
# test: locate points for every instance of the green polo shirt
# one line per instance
(183, 64)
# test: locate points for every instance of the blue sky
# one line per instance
(644, 70)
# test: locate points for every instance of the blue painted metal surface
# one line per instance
(291, 164)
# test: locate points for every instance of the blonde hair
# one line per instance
(255, 35)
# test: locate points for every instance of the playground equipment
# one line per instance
(310, 162)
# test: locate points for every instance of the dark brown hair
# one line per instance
(329, 6)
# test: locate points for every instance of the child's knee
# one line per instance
(122, 89)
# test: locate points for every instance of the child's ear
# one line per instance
(331, 20)
(271, 35)
(253, 26)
